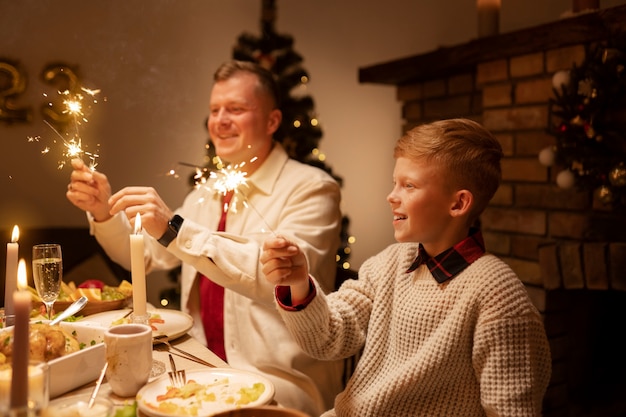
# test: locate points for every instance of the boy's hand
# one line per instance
(285, 264)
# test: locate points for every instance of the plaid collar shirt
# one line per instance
(452, 261)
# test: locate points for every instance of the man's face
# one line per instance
(241, 121)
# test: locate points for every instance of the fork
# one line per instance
(177, 378)
(162, 338)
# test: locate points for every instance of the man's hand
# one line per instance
(89, 191)
(285, 264)
(146, 201)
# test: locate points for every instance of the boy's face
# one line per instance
(421, 201)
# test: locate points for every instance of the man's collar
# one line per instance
(265, 177)
(454, 260)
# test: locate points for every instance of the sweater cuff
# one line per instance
(283, 297)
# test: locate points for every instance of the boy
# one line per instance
(445, 329)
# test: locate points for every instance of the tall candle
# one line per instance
(488, 17)
(21, 303)
(10, 280)
(138, 269)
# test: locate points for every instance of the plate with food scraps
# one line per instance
(207, 392)
(172, 323)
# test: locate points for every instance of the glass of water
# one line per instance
(48, 273)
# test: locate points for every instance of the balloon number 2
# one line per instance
(12, 84)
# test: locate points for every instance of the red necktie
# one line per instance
(212, 301)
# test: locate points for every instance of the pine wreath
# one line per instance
(589, 122)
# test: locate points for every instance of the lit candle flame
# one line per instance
(138, 224)
(16, 234)
(22, 280)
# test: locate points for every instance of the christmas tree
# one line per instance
(589, 113)
(300, 131)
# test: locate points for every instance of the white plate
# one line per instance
(175, 323)
(225, 382)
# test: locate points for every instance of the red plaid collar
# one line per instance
(451, 262)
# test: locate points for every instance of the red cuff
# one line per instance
(283, 296)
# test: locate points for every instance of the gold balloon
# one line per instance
(12, 85)
(65, 79)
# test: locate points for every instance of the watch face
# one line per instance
(176, 222)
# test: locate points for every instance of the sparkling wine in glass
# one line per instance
(48, 273)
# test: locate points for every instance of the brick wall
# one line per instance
(566, 247)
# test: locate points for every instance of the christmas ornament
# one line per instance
(546, 156)
(560, 79)
(617, 176)
(605, 195)
(565, 179)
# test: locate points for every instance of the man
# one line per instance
(281, 196)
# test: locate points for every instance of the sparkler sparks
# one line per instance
(73, 108)
(225, 179)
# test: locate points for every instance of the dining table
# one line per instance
(161, 365)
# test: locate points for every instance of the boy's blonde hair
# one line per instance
(467, 152)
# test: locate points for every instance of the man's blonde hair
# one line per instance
(468, 154)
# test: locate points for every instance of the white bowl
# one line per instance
(79, 368)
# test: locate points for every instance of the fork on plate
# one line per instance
(164, 339)
(177, 378)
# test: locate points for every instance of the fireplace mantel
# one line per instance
(588, 27)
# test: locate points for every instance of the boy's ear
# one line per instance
(462, 204)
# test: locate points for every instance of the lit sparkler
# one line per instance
(226, 179)
(72, 142)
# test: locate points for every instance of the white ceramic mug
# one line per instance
(128, 350)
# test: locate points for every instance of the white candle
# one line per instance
(138, 269)
(21, 303)
(10, 280)
(488, 17)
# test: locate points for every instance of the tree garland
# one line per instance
(588, 119)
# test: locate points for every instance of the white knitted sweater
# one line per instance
(472, 346)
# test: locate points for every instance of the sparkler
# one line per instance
(72, 142)
(226, 179)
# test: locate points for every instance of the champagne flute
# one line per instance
(48, 273)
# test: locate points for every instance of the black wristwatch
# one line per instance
(173, 226)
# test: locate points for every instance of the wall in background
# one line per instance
(153, 61)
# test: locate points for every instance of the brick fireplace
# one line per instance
(565, 245)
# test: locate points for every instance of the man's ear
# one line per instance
(464, 200)
(273, 123)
